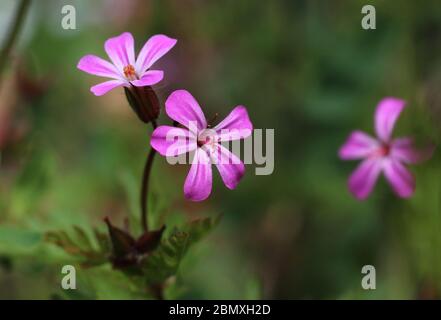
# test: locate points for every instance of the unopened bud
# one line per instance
(144, 102)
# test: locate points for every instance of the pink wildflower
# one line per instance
(383, 154)
(124, 69)
(197, 136)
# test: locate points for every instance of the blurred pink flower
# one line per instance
(124, 69)
(197, 136)
(382, 154)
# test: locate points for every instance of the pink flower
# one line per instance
(197, 136)
(124, 69)
(382, 154)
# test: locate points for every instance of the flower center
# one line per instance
(207, 137)
(129, 72)
(382, 151)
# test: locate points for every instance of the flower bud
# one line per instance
(128, 251)
(144, 102)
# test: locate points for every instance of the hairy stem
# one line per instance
(13, 32)
(145, 186)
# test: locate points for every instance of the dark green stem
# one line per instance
(145, 185)
(14, 31)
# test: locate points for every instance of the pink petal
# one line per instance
(387, 113)
(403, 149)
(400, 179)
(183, 108)
(364, 177)
(97, 66)
(236, 125)
(358, 145)
(229, 165)
(171, 141)
(149, 78)
(121, 50)
(104, 87)
(198, 183)
(153, 49)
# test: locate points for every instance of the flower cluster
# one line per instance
(204, 142)
(189, 133)
(192, 133)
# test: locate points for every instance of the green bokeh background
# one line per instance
(303, 68)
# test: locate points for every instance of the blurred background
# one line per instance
(304, 68)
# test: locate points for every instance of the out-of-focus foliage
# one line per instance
(303, 67)
(153, 268)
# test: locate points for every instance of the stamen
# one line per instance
(129, 72)
(206, 137)
(382, 151)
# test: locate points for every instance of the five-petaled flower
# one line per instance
(383, 154)
(124, 69)
(204, 141)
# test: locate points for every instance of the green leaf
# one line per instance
(102, 241)
(197, 229)
(15, 240)
(91, 250)
(164, 262)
